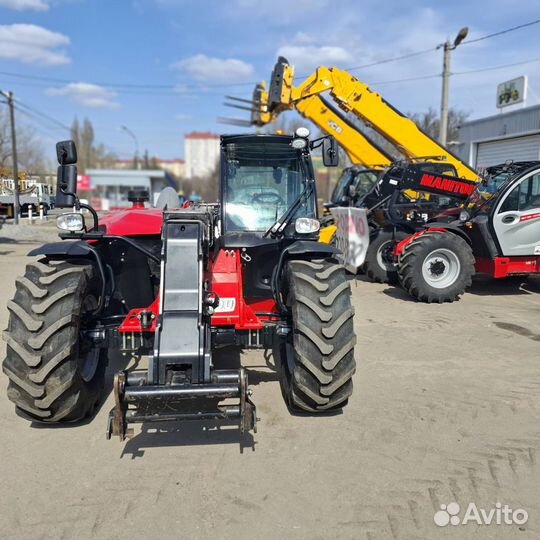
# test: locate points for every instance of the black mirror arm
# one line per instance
(315, 143)
(92, 211)
(78, 205)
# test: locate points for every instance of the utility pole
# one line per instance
(16, 203)
(447, 49)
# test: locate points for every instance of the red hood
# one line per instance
(133, 222)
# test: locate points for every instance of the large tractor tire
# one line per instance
(56, 374)
(379, 266)
(319, 352)
(436, 267)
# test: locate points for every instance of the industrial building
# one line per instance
(109, 188)
(513, 135)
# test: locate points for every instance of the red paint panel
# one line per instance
(133, 222)
(501, 267)
(132, 322)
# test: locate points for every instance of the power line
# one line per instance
(431, 49)
(501, 32)
(122, 86)
(196, 89)
(496, 67)
(437, 75)
(35, 118)
(393, 59)
(42, 115)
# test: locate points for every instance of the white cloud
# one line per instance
(204, 68)
(88, 95)
(20, 5)
(181, 117)
(33, 44)
(305, 58)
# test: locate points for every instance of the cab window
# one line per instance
(529, 194)
(511, 203)
(525, 196)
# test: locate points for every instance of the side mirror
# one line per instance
(66, 178)
(66, 186)
(66, 152)
(330, 153)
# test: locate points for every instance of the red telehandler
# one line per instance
(497, 233)
(176, 284)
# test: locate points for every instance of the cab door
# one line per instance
(516, 220)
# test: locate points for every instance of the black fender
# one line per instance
(64, 250)
(308, 247)
(453, 227)
(71, 249)
(297, 250)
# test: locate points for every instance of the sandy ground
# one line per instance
(445, 410)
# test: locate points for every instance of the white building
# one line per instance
(513, 135)
(201, 152)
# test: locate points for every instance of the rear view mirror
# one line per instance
(66, 179)
(66, 186)
(66, 152)
(330, 153)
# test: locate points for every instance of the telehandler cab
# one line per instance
(497, 233)
(176, 284)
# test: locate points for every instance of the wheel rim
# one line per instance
(384, 256)
(441, 268)
(89, 353)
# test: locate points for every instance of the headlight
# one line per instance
(302, 132)
(70, 222)
(299, 143)
(304, 225)
(464, 215)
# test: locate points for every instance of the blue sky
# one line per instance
(198, 49)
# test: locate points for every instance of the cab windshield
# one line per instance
(262, 181)
(364, 182)
(340, 191)
(482, 198)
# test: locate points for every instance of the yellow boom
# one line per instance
(351, 96)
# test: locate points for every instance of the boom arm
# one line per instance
(360, 149)
(354, 96)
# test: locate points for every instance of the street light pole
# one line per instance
(447, 49)
(16, 200)
(132, 135)
(443, 123)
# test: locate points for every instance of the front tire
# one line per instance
(55, 373)
(436, 267)
(318, 355)
(378, 265)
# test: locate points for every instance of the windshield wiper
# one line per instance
(279, 225)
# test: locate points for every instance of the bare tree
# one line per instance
(31, 156)
(429, 122)
(90, 154)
